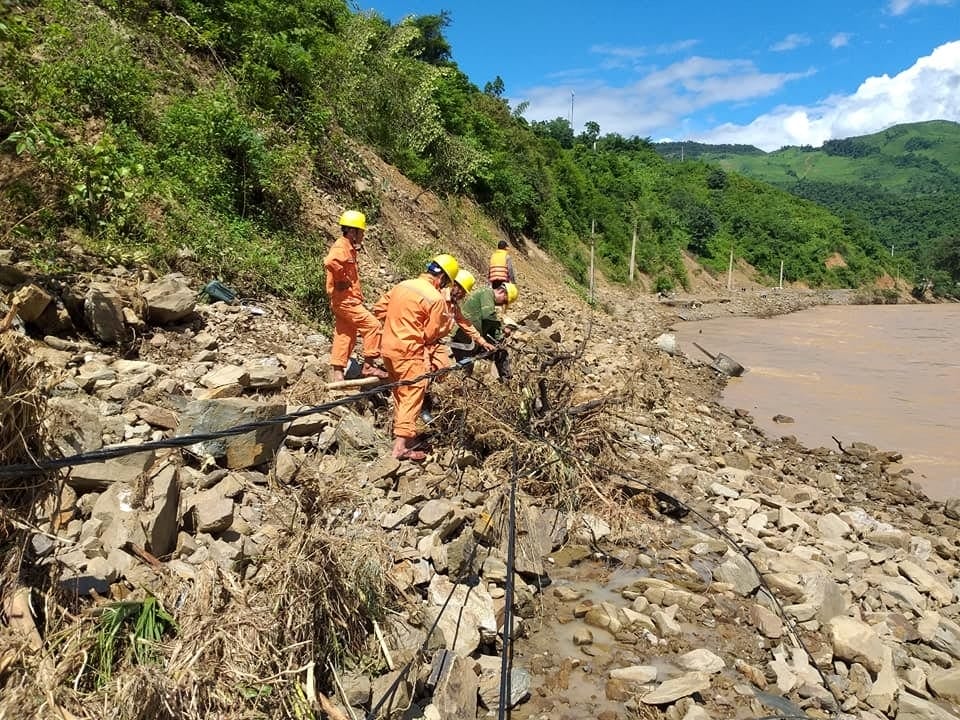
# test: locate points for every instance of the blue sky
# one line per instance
(761, 72)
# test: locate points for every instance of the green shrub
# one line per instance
(663, 284)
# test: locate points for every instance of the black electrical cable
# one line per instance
(505, 670)
(108, 453)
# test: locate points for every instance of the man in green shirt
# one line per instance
(480, 308)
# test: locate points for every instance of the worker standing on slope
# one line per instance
(501, 266)
(346, 300)
(414, 314)
(439, 353)
(480, 308)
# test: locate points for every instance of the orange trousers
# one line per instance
(348, 320)
(438, 355)
(407, 399)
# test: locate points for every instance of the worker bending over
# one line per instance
(415, 316)
(480, 309)
(439, 352)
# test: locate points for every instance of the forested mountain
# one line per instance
(148, 128)
(903, 183)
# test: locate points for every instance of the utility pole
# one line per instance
(593, 241)
(730, 272)
(781, 274)
(571, 110)
(633, 250)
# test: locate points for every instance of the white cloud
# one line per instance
(658, 99)
(625, 57)
(928, 90)
(899, 7)
(791, 42)
(840, 39)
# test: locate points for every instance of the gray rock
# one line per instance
(240, 451)
(169, 299)
(434, 512)
(855, 641)
(455, 695)
(489, 687)
(127, 469)
(701, 660)
(103, 313)
(641, 674)
(913, 708)
(212, 512)
(673, 690)
(357, 432)
(738, 572)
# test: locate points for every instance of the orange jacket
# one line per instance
(456, 317)
(343, 280)
(414, 315)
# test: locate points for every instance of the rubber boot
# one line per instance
(426, 410)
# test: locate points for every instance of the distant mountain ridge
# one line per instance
(915, 158)
(902, 182)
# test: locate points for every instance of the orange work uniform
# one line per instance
(437, 354)
(414, 315)
(346, 302)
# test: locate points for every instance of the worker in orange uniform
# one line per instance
(501, 266)
(346, 301)
(439, 353)
(415, 316)
(454, 294)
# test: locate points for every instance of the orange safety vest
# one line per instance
(499, 270)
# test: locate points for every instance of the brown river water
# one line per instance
(888, 375)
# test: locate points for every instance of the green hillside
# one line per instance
(914, 159)
(146, 130)
(903, 183)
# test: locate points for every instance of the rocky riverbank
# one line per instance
(672, 561)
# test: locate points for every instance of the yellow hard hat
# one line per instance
(465, 279)
(447, 263)
(512, 292)
(354, 219)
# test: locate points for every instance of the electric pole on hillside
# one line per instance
(593, 241)
(633, 249)
(730, 272)
(571, 111)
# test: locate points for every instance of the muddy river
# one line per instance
(886, 375)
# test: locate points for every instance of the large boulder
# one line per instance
(240, 451)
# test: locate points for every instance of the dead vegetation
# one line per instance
(210, 646)
(240, 647)
(237, 649)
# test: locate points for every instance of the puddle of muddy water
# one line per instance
(570, 682)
